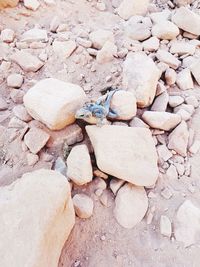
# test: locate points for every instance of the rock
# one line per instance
(98, 173)
(182, 48)
(171, 173)
(161, 120)
(54, 102)
(50, 2)
(21, 113)
(195, 147)
(83, 206)
(161, 102)
(99, 183)
(107, 53)
(137, 30)
(32, 159)
(163, 153)
(152, 44)
(17, 123)
(31, 4)
(8, 3)
(192, 100)
(158, 17)
(124, 104)
(165, 30)
(131, 204)
(184, 80)
(15, 80)
(189, 108)
(170, 76)
(187, 224)
(168, 58)
(130, 145)
(195, 69)
(7, 35)
(79, 165)
(131, 8)
(3, 104)
(64, 49)
(136, 122)
(55, 22)
(175, 101)
(26, 61)
(60, 166)
(116, 184)
(36, 139)
(165, 226)
(34, 35)
(84, 42)
(142, 79)
(191, 24)
(48, 219)
(166, 193)
(101, 6)
(183, 2)
(17, 96)
(178, 139)
(100, 37)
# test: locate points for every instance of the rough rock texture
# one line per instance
(100, 37)
(187, 20)
(15, 80)
(130, 8)
(161, 120)
(107, 53)
(124, 103)
(64, 49)
(39, 206)
(132, 148)
(83, 206)
(54, 102)
(26, 61)
(187, 224)
(79, 165)
(184, 80)
(142, 79)
(168, 59)
(8, 3)
(178, 139)
(195, 69)
(131, 204)
(165, 30)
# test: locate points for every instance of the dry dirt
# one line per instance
(100, 241)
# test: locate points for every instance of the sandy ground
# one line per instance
(100, 241)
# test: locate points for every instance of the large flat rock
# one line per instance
(54, 102)
(37, 216)
(125, 152)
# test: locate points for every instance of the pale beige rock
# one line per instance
(187, 223)
(136, 122)
(54, 102)
(195, 147)
(161, 120)
(165, 30)
(182, 48)
(195, 69)
(175, 101)
(32, 159)
(3, 104)
(170, 76)
(178, 139)
(83, 206)
(100, 174)
(168, 58)
(184, 80)
(131, 204)
(160, 103)
(124, 104)
(137, 30)
(192, 100)
(183, 2)
(64, 49)
(32, 4)
(171, 173)
(36, 139)
(142, 79)
(8, 3)
(187, 20)
(107, 53)
(7, 35)
(26, 61)
(15, 80)
(115, 185)
(46, 214)
(131, 147)
(79, 165)
(158, 17)
(152, 44)
(163, 153)
(100, 37)
(129, 8)
(34, 35)
(165, 226)
(21, 113)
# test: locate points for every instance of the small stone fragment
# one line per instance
(15, 80)
(165, 30)
(168, 58)
(31, 4)
(160, 103)
(7, 35)
(165, 226)
(100, 37)
(32, 159)
(195, 69)
(184, 80)
(107, 53)
(129, 8)
(83, 206)
(163, 153)
(116, 184)
(152, 44)
(34, 35)
(137, 30)
(192, 100)
(195, 147)
(170, 76)
(166, 193)
(175, 101)
(64, 49)
(182, 48)
(21, 113)
(3, 104)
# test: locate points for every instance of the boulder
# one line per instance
(165, 30)
(187, 20)
(54, 102)
(161, 120)
(79, 165)
(178, 139)
(187, 223)
(131, 204)
(129, 8)
(39, 206)
(142, 79)
(132, 148)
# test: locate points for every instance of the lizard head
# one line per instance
(83, 113)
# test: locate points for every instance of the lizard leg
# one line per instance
(112, 114)
(99, 122)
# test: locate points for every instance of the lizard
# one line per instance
(96, 112)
